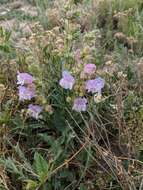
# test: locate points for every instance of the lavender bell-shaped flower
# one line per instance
(24, 78)
(80, 104)
(27, 93)
(34, 110)
(67, 80)
(95, 85)
(89, 69)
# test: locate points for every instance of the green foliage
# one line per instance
(41, 167)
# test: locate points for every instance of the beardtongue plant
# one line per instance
(27, 91)
(91, 84)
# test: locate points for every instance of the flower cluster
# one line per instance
(27, 91)
(91, 85)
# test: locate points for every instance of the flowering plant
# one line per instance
(27, 91)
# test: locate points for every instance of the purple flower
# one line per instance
(27, 93)
(24, 78)
(95, 85)
(80, 104)
(89, 68)
(67, 80)
(34, 110)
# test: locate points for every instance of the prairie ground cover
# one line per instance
(71, 95)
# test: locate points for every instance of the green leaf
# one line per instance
(46, 138)
(31, 185)
(41, 166)
(10, 166)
